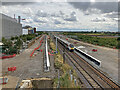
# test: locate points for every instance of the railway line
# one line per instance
(103, 77)
(91, 75)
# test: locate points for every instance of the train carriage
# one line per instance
(68, 45)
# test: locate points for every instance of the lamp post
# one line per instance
(56, 45)
(64, 54)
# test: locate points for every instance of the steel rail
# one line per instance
(102, 76)
(86, 75)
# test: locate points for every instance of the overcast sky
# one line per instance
(89, 15)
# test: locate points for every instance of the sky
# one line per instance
(80, 15)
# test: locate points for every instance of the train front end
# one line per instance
(71, 47)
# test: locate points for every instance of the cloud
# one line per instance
(61, 15)
(40, 20)
(28, 12)
(28, 21)
(57, 22)
(116, 19)
(105, 7)
(41, 13)
(72, 17)
(98, 20)
(16, 3)
(55, 15)
(92, 11)
(112, 14)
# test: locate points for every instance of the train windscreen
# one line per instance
(71, 46)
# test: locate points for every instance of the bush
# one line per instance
(24, 39)
(13, 50)
(58, 65)
(64, 81)
(29, 37)
(12, 38)
(4, 41)
(118, 39)
(108, 42)
(16, 37)
(18, 43)
(10, 48)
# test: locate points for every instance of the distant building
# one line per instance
(9, 26)
(31, 30)
(25, 31)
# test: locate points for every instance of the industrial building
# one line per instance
(9, 26)
(31, 30)
(24, 31)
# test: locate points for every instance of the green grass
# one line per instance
(64, 69)
(107, 42)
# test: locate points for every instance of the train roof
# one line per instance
(63, 40)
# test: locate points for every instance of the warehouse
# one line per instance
(9, 26)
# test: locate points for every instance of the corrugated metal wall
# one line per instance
(10, 27)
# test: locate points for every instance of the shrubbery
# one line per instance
(14, 44)
(107, 42)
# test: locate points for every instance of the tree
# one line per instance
(24, 39)
(95, 31)
(4, 41)
(18, 43)
(12, 38)
(118, 39)
(16, 37)
(13, 50)
(26, 27)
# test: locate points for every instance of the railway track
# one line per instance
(94, 77)
(102, 76)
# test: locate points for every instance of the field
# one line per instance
(101, 39)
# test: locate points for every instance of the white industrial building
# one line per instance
(9, 26)
(25, 31)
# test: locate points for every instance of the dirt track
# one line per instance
(27, 67)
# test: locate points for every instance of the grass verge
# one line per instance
(68, 76)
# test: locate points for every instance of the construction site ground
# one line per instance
(27, 67)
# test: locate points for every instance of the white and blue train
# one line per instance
(71, 47)
(65, 43)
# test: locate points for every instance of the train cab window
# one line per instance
(71, 46)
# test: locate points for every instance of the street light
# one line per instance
(64, 54)
(56, 45)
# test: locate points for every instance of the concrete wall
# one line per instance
(10, 27)
(0, 27)
(42, 84)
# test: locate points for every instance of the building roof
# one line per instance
(3, 16)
